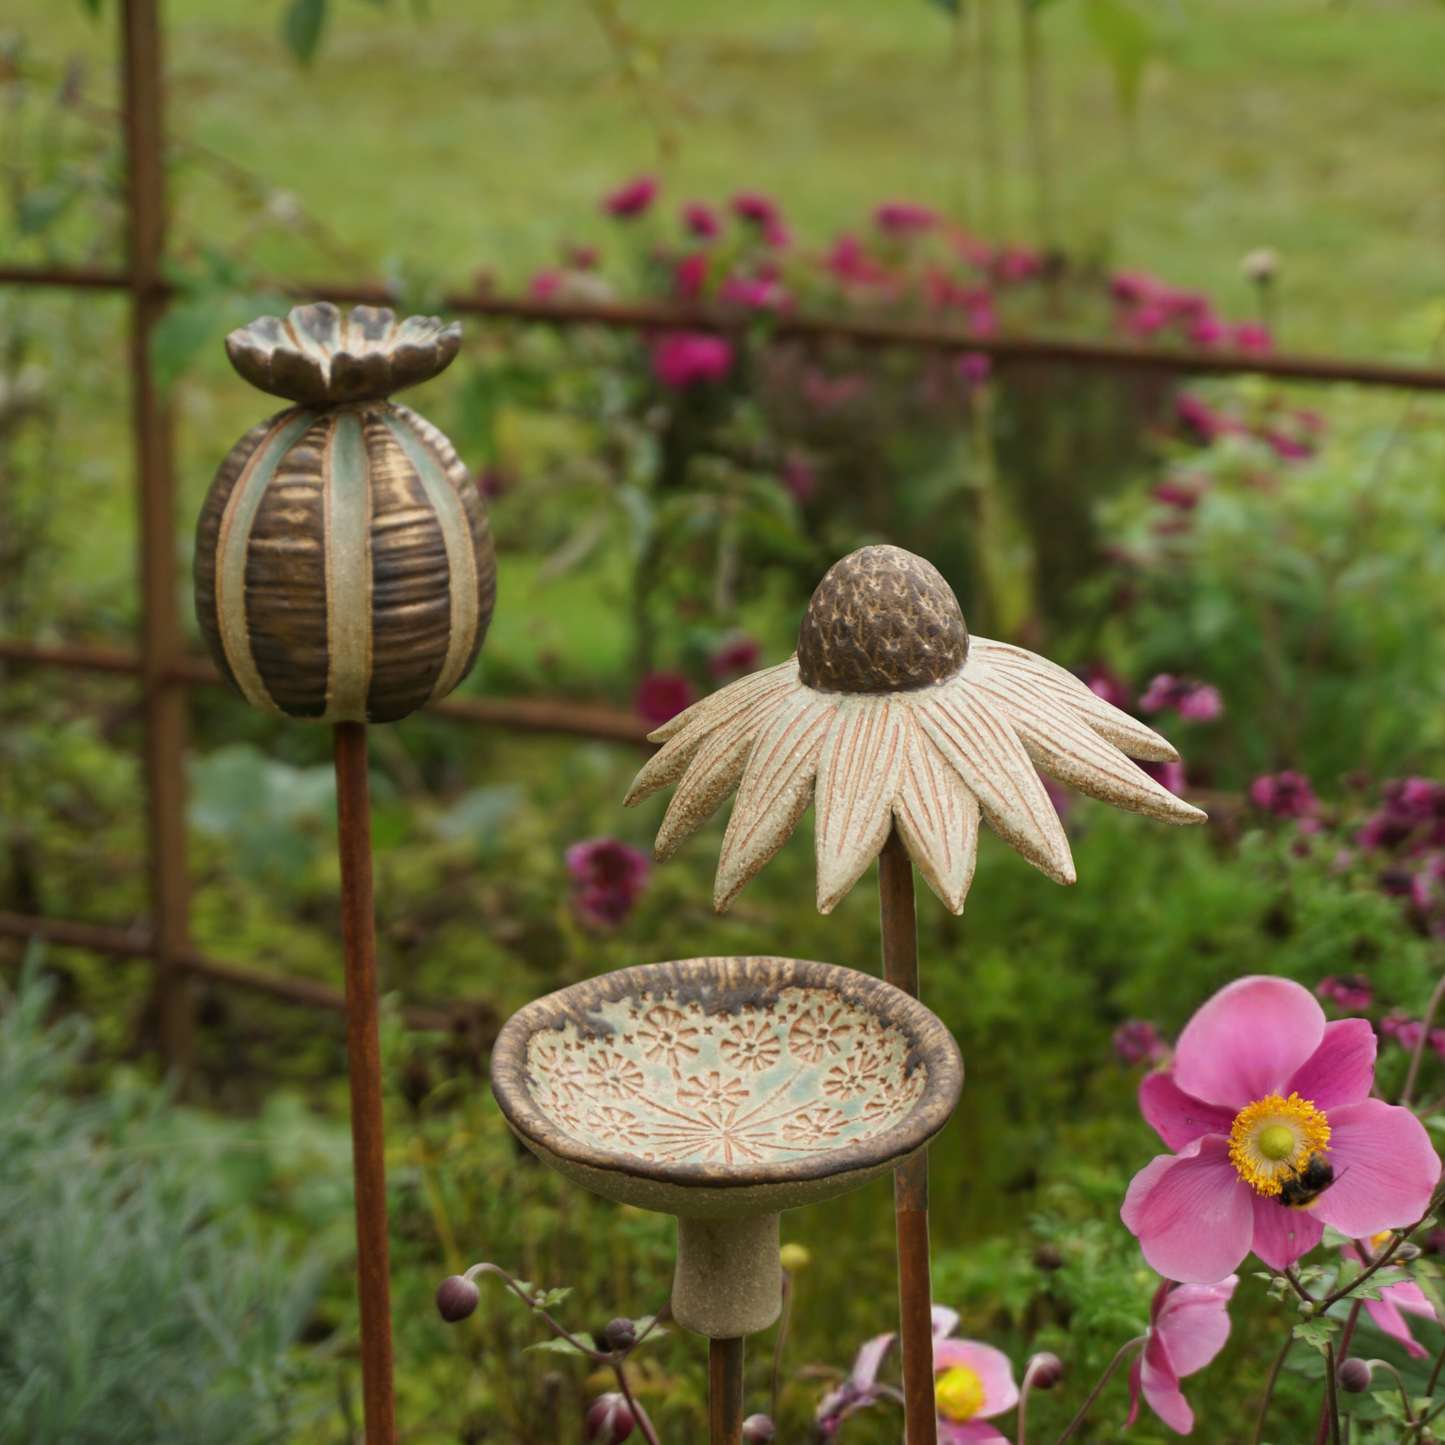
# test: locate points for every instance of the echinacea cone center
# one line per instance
(959, 1393)
(1273, 1138)
(881, 620)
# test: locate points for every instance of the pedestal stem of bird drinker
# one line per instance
(910, 1182)
(363, 1054)
(725, 1391)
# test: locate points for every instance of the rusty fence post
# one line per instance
(163, 701)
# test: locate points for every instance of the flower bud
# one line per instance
(620, 1334)
(609, 1421)
(457, 1297)
(794, 1257)
(1044, 1370)
(1354, 1375)
(758, 1429)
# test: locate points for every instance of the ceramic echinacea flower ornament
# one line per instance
(891, 714)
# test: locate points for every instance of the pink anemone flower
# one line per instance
(1267, 1108)
(1394, 1298)
(972, 1382)
(1188, 1325)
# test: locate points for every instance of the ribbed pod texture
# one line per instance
(344, 567)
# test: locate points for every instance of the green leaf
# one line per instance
(302, 28)
(563, 1347)
(1316, 1332)
(42, 207)
(1122, 31)
(555, 1296)
(93, 6)
(950, 6)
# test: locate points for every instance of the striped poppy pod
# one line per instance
(344, 569)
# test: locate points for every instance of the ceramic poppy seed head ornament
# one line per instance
(344, 567)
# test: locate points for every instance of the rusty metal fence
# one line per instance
(165, 671)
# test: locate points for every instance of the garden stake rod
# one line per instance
(910, 1182)
(363, 1058)
(725, 1391)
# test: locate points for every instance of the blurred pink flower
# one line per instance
(1104, 682)
(1188, 1326)
(1136, 1041)
(1135, 286)
(799, 476)
(754, 293)
(701, 221)
(545, 285)
(1199, 418)
(1412, 810)
(1018, 263)
(661, 696)
(1252, 337)
(631, 200)
(982, 318)
(1405, 1031)
(1193, 700)
(738, 654)
(1286, 795)
(974, 368)
(1350, 993)
(1147, 320)
(756, 208)
(691, 358)
(1207, 330)
(1168, 775)
(851, 262)
(608, 878)
(1176, 493)
(1386, 1311)
(902, 217)
(1259, 1084)
(689, 275)
(1289, 448)
(580, 256)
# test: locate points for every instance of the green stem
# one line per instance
(1124, 1351)
(1269, 1388)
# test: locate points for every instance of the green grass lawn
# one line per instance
(482, 134)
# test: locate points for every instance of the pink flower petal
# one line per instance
(1386, 1314)
(945, 1320)
(968, 1432)
(1247, 1040)
(1194, 1323)
(1161, 1387)
(995, 1372)
(1385, 1169)
(1281, 1234)
(1179, 1118)
(1191, 1213)
(1341, 1071)
(867, 1360)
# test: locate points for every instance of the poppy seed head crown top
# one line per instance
(881, 620)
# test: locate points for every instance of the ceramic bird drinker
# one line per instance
(344, 569)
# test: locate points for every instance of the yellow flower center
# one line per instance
(1272, 1139)
(959, 1393)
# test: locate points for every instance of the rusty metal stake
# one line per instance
(363, 1055)
(163, 699)
(725, 1391)
(910, 1183)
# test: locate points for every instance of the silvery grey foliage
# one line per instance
(132, 1312)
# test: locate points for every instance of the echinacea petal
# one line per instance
(1076, 755)
(685, 733)
(1342, 1070)
(937, 818)
(857, 777)
(1194, 1324)
(1180, 1118)
(978, 743)
(714, 773)
(1016, 671)
(775, 791)
(994, 1370)
(1385, 1169)
(1281, 1234)
(1247, 1040)
(1191, 1212)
